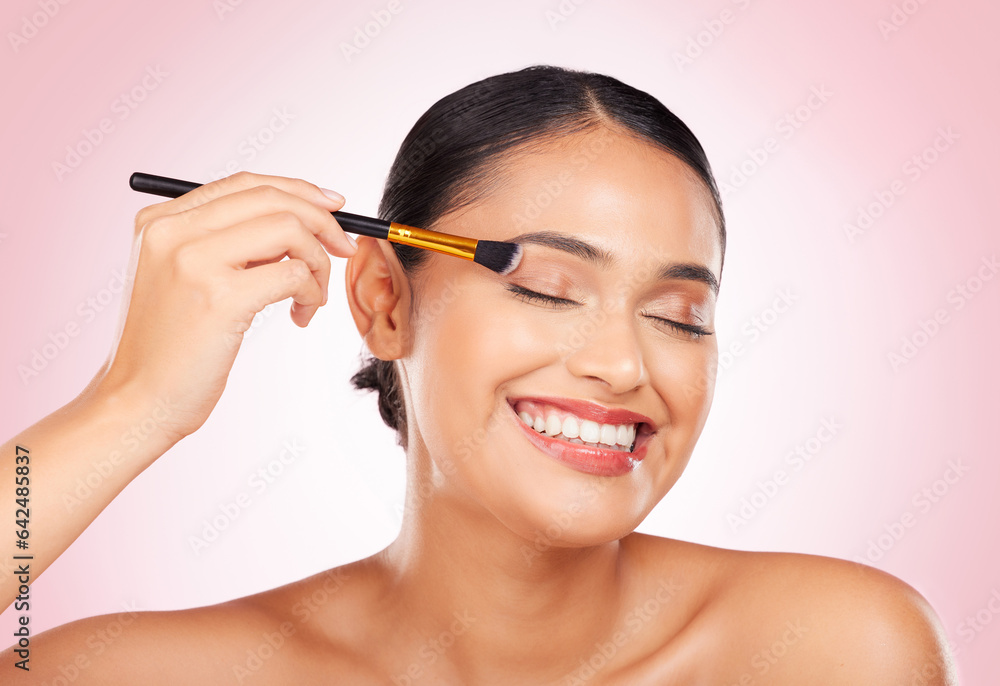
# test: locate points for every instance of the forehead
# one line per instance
(626, 196)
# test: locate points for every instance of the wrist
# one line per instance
(147, 421)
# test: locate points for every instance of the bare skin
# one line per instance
(511, 567)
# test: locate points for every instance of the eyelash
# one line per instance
(523, 293)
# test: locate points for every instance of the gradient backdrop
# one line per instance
(857, 144)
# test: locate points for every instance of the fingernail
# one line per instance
(333, 195)
(350, 239)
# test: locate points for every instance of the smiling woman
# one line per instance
(543, 413)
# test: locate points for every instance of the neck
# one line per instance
(503, 599)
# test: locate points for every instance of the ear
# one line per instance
(378, 294)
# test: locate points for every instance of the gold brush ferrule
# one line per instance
(459, 246)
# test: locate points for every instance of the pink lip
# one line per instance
(588, 410)
(584, 458)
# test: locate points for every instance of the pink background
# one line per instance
(221, 75)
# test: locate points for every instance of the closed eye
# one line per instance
(693, 330)
(526, 295)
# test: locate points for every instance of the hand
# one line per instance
(202, 266)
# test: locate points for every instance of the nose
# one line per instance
(605, 347)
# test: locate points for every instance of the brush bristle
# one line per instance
(499, 256)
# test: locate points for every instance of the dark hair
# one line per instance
(451, 155)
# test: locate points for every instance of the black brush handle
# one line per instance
(174, 188)
(160, 185)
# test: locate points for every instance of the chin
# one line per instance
(552, 505)
(548, 528)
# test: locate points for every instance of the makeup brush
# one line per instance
(499, 256)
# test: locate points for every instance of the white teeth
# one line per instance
(622, 434)
(609, 434)
(590, 432)
(553, 425)
(583, 431)
(570, 429)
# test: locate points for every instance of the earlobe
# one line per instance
(378, 295)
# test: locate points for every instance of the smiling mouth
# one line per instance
(582, 423)
(610, 455)
(621, 438)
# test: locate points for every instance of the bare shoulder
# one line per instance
(267, 637)
(799, 618)
(867, 626)
(199, 645)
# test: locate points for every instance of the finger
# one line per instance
(239, 182)
(264, 200)
(291, 278)
(242, 181)
(263, 240)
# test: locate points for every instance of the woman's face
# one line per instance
(482, 350)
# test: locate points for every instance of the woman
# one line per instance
(543, 414)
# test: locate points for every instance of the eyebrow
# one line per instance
(588, 252)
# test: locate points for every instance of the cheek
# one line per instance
(486, 339)
(464, 354)
(684, 377)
